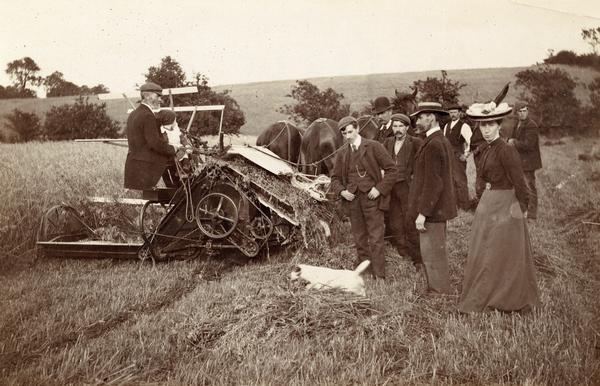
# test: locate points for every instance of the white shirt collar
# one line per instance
(357, 141)
(432, 130)
(386, 126)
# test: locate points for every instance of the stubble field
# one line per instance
(207, 322)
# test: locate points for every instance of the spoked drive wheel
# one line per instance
(216, 215)
(63, 223)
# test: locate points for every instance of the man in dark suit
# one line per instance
(357, 179)
(148, 153)
(458, 132)
(525, 138)
(432, 198)
(382, 110)
(403, 147)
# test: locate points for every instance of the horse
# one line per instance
(405, 103)
(320, 141)
(368, 126)
(282, 138)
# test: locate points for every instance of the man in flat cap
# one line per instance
(525, 138)
(458, 132)
(148, 153)
(382, 110)
(403, 147)
(357, 179)
(432, 200)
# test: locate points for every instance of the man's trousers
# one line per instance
(367, 224)
(435, 257)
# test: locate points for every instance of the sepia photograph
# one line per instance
(334, 192)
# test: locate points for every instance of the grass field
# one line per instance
(205, 322)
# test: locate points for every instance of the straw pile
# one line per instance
(307, 210)
(304, 314)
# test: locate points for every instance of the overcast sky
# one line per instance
(114, 42)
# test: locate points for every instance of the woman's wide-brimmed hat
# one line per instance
(488, 111)
(429, 107)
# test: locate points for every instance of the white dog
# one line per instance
(325, 278)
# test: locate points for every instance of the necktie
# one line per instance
(353, 147)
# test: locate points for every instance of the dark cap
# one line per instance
(151, 87)
(454, 107)
(347, 121)
(381, 104)
(400, 117)
(520, 105)
(165, 117)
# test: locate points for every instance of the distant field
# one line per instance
(260, 101)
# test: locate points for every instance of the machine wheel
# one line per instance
(63, 223)
(216, 215)
(261, 227)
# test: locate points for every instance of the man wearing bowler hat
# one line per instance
(148, 153)
(382, 110)
(525, 138)
(432, 200)
(403, 147)
(358, 180)
(459, 133)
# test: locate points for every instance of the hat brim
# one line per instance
(382, 109)
(488, 117)
(429, 110)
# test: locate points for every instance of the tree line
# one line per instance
(24, 74)
(86, 118)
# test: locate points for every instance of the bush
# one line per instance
(550, 94)
(207, 123)
(590, 116)
(312, 103)
(26, 125)
(169, 74)
(572, 59)
(79, 120)
(444, 91)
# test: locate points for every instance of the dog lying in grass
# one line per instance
(327, 278)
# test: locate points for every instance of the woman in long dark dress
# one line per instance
(499, 273)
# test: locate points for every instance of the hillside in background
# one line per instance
(260, 100)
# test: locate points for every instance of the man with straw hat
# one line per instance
(403, 147)
(148, 153)
(358, 180)
(432, 198)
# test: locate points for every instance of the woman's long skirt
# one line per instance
(499, 274)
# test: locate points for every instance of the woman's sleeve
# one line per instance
(511, 162)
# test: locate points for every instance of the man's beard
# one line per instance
(421, 129)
